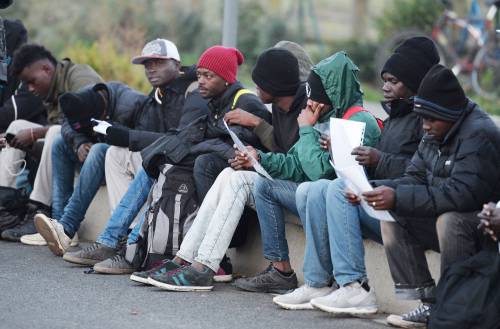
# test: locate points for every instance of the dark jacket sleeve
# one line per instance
(22, 105)
(471, 182)
(391, 165)
(194, 108)
(251, 104)
(72, 137)
(415, 174)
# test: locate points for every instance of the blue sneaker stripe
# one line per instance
(183, 279)
(176, 281)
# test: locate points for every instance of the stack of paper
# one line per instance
(346, 135)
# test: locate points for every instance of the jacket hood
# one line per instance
(339, 76)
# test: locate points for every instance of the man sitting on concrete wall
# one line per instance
(48, 78)
(276, 74)
(333, 88)
(137, 121)
(334, 229)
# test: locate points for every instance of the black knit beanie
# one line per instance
(315, 90)
(81, 106)
(411, 61)
(277, 72)
(440, 95)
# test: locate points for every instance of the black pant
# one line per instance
(206, 169)
(454, 234)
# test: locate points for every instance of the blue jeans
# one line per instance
(69, 206)
(271, 197)
(334, 233)
(126, 211)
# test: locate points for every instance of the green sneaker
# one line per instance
(143, 276)
(185, 278)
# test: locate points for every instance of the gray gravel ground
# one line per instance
(39, 290)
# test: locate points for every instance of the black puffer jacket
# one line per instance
(461, 173)
(399, 140)
(206, 134)
(154, 119)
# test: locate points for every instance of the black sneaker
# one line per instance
(413, 319)
(90, 255)
(185, 278)
(268, 281)
(114, 265)
(143, 276)
(225, 272)
(27, 225)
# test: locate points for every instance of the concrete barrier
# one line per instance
(248, 260)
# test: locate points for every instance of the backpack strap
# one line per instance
(356, 109)
(353, 110)
(240, 92)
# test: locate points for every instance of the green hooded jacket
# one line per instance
(306, 161)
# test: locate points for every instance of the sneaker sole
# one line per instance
(253, 289)
(354, 311)
(107, 270)
(304, 306)
(397, 321)
(33, 242)
(170, 287)
(43, 227)
(223, 278)
(140, 279)
(80, 261)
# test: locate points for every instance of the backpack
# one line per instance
(468, 294)
(172, 208)
(12, 207)
(356, 109)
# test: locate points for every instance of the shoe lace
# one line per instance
(92, 247)
(421, 310)
(118, 258)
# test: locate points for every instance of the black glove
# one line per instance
(117, 136)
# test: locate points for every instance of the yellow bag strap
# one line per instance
(238, 94)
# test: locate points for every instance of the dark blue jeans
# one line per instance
(69, 204)
(271, 198)
(126, 210)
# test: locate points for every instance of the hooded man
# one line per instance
(332, 88)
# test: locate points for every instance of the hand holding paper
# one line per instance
(345, 136)
(241, 147)
(101, 126)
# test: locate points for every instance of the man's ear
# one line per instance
(48, 68)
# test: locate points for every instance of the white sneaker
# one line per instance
(33, 240)
(53, 232)
(300, 298)
(348, 300)
(38, 240)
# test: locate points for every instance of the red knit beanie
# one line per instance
(223, 61)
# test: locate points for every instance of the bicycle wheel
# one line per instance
(385, 50)
(486, 72)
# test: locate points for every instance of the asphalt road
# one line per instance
(39, 290)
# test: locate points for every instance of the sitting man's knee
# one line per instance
(448, 221)
(262, 185)
(17, 125)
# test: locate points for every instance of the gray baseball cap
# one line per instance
(158, 49)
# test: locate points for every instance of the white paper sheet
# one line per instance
(241, 147)
(101, 127)
(346, 135)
